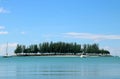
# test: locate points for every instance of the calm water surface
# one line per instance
(59, 68)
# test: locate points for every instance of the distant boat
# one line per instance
(6, 54)
(83, 55)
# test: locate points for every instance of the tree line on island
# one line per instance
(59, 48)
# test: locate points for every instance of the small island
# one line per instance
(60, 49)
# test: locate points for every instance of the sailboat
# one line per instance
(6, 54)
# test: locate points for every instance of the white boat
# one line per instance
(6, 54)
(83, 55)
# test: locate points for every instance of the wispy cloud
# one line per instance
(92, 36)
(23, 32)
(2, 27)
(3, 10)
(3, 32)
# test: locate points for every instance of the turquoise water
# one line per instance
(59, 68)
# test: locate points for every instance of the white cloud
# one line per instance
(23, 33)
(115, 51)
(12, 44)
(92, 36)
(3, 10)
(3, 32)
(11, 47)
(2, 27)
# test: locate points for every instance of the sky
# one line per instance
(82, 21)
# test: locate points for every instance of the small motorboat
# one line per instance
(83, 55)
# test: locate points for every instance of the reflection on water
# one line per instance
(57, 68)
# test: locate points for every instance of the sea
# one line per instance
(51, 67)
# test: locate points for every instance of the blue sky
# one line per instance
(82, 21)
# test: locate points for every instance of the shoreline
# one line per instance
(64, 55)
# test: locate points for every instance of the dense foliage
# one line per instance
(60, 48)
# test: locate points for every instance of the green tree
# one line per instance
(18, 49)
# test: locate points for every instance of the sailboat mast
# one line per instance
(7, 49)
